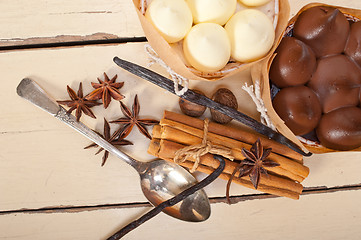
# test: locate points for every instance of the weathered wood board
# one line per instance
(51, 188)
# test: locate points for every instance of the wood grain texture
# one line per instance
(42, 162)
(297, 5)
(59, 170)
(43, 21)
(43, 165)
(315, 217)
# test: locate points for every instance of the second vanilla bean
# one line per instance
(174, 200)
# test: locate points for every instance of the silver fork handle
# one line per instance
(31, 91)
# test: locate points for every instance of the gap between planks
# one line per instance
(23, 45)
(72, 43)
(213, 200)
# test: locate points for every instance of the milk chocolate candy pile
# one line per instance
(318, 71)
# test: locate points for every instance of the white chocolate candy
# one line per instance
(207, 47)
(172, 18)
(254, 3)
(251, 34)
(216, 11)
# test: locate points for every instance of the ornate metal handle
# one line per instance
(32, 92)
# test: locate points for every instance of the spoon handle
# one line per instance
(32, 92)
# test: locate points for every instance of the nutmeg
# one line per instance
(225, 97)
(192, 109)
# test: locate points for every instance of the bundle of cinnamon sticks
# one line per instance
(176, 131)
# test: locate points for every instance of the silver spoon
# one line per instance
(160, 180)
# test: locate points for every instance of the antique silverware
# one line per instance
(160, 180)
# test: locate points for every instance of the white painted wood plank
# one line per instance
(329, 216)
(42, 163)
(44, 21)
(57, 155)
(297, 5)
(35, 21)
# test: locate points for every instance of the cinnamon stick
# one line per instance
(245, 183)
(157, 131)
(270, 184)
(184, 134)
(234, 133)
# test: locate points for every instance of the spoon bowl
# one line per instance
(160, 179)
(163, 180)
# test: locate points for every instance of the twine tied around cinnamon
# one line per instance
(198, 150)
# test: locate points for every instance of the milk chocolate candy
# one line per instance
(294, 63)
(299, 108)
(341, 129)
(336, 82)
(324, 29)
(353, 46)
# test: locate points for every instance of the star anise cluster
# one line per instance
(256, 159)
(131, 118)
(105, 90)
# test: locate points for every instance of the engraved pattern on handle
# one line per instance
(32, 92)
(70, 120)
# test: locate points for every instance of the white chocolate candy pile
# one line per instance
(247, 35)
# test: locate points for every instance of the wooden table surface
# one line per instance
(50, 188)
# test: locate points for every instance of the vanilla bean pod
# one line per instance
(174, 200)
(194, 97)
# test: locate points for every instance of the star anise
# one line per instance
(131, 119)
(106, 90)
(253, 164)
(78, 102)
(255, 161)
(111, 139)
